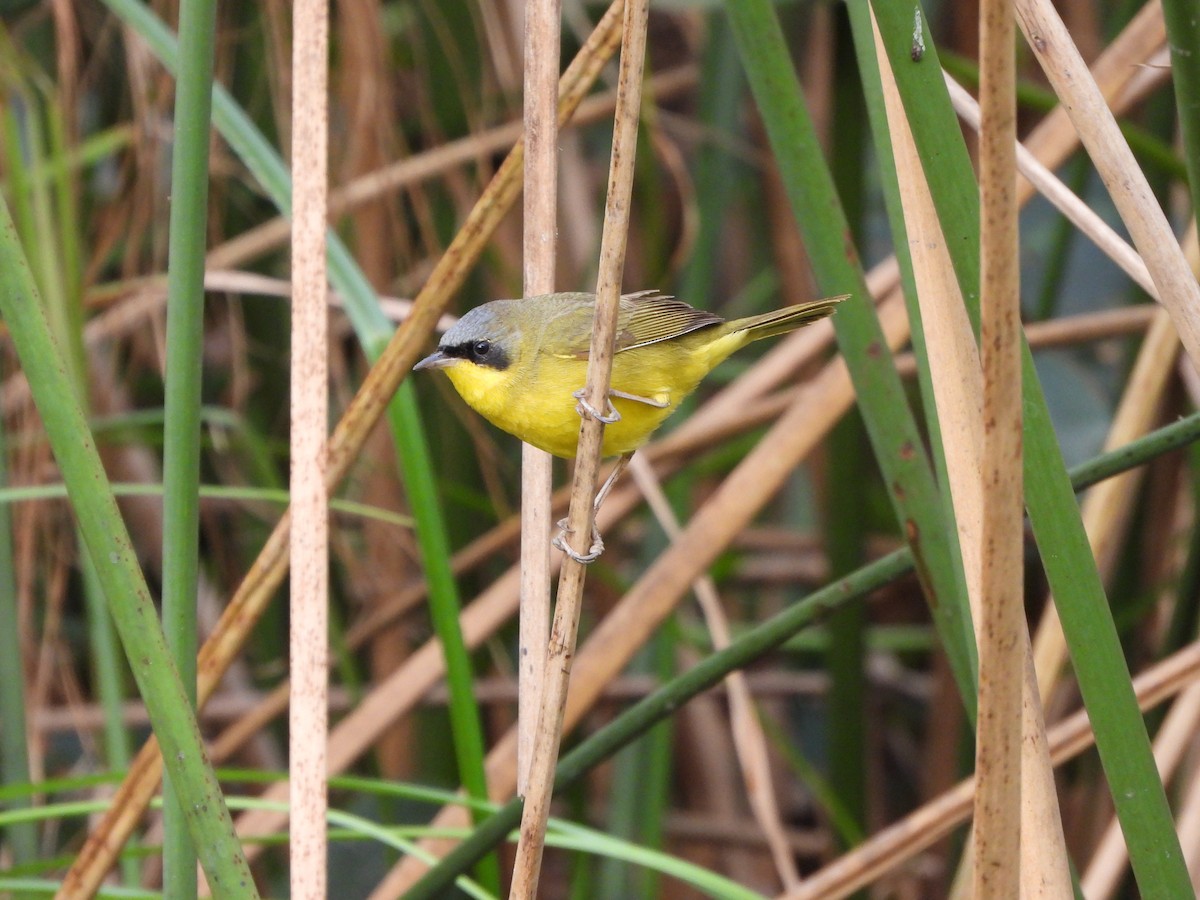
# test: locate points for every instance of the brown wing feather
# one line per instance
(649, 317)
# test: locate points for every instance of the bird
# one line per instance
(522, 364)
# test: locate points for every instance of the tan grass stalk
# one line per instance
(267, 573)
(1110, 861)
(749, 741)
(581, 514)
(1069, 331)
(755, 481)
(904, 840)
(999, 863)
(309, 585)
(1105, 515)
(958, 391)
(1121, 74)
(1115, 162)
(542, 24)
(1061, 197)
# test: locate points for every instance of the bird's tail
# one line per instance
(781, 321)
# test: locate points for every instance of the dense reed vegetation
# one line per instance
(780, 661)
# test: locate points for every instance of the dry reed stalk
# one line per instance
(542, 23)
(903, 840)
(749, 741)
(1121, 74)
(1082, 216)
(1175, 737)
(958, 391)
(1002, 635)
(308, 725)
(581, 512)
(267, 572)
(1069, 331)
(1099, 133)
(823, 401)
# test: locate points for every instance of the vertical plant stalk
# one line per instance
(580, 516)
(956, 385)
(542, 42)
(1039, 177)
(1002, 645)
(182, 391)
(1183, 29)
(267, 573)
(309, 620)
(1123, 178)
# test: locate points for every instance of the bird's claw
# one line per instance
(584, 408)
(584, 559)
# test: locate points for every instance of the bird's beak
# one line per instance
(435, 360)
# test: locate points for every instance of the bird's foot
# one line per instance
(584, 408)
(584, 559)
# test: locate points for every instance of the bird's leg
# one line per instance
(611, 416)
(597, 547)
(619, 467)
(584, 408)
(657, 404)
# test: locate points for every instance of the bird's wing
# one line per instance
(649, 317)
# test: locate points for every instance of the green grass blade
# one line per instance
(898, 447)
(49, 234)
(182, 395)
(1079, 595)
(117, 570)
(1183, 37)
(844, 526)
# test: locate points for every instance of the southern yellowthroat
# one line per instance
(522, 364)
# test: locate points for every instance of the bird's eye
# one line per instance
(481, 348)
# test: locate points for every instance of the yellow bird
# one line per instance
(522, 365)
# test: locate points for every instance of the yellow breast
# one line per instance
(535, 402)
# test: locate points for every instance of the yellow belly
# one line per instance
(535, 403)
